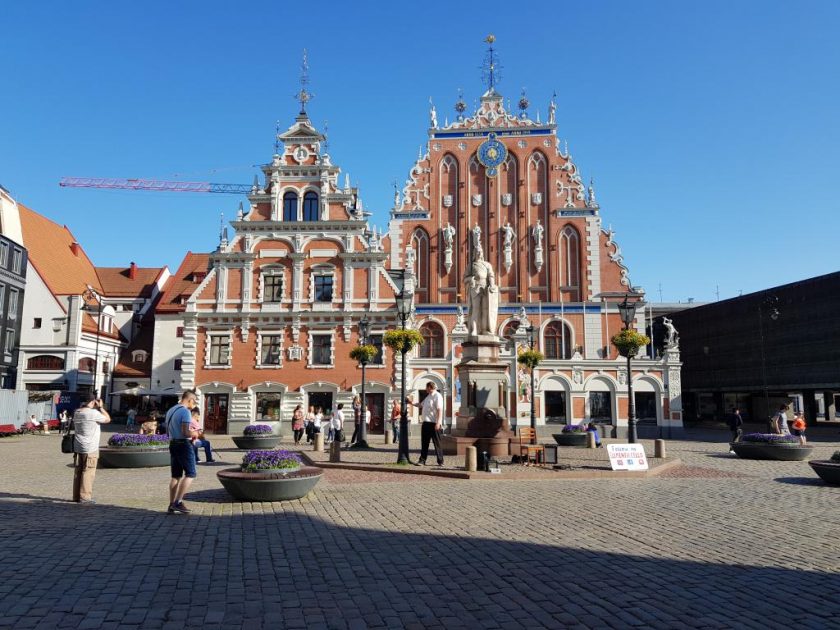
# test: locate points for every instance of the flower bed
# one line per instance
(574, 428)
(771, 446)
(828, 469)
(571, 435)
(129, 450)
(257, 436)
(275, 475)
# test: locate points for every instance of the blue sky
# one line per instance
(711, 129)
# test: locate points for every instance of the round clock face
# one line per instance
(492, 153)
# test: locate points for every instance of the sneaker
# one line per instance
(171, 509)
(179, 507)
(420, 462)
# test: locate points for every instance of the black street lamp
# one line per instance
(363, 339)
(771, 303)
(90, 294)
(627, 310)
(531, 341)
(403, 312)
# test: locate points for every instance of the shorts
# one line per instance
(182, 459)
(798, 432)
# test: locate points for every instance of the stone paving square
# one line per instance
(716, 542)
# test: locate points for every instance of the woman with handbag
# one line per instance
(297, 423)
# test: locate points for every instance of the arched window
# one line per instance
(569, 258)
(510, 328)
(86, 365)
(432, 346)
(45, 362)
(558, 341)
(290, 203)
(420, 243)
(310, 207)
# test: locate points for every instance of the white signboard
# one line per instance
(627, 457)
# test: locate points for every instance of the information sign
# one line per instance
(627, 456)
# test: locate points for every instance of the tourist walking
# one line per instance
(337, 423)
(736, 424)
(798, 427)
(200, 441)
(297, 423)
(86, 421)
(310, 424)
(129, 418)
(357, 418)
(780, 422)
(181, 454)
(431, 411)
(396, 412)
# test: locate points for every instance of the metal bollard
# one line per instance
(319, 442)
(659, 449)
(590, 440)
(335, 452)
(471, 459)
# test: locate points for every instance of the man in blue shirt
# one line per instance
(181, 453)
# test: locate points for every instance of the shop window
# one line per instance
(268, 406)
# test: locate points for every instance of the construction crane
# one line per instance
(157, 185)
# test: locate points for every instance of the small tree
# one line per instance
(628, 342)
(530, 358)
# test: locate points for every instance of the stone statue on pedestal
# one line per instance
(672, 340)
(482, 295)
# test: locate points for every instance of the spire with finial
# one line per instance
(396, 194)
(460, 105)
(491, 69)
(523, 105)
(433, 121)
(256, 185)
(347, 182)
(240, 214)
(223, 233)
(592, 203)
(326, 137)
(304, 96)
(277, 138)
(552, 109)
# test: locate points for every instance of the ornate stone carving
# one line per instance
(448, 201)
(536, 198)
(672, 339)
(508, 236)
(507, 199)
(295, 352)
(448, 234)
(476, 200)
(483, 296)
(537, 233)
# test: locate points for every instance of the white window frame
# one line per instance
(4, 254)
(273, 272)
(311, 354)
(2, 297)
(209, 343)
(379, 333)
(139, 356)
(17, 260)
(13, 303)
(270, 333)
(324, 270)
(10, 336)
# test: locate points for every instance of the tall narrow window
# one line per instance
(321, 349)
(271, 352)
(219, 350)
(570, 258)
(310, 207)
(13, 303)
(272, 288)
(376, 342)
(420, 243)
(324, 288)
(4, 254)
(10, 341)
(17, 260)
(290, 206)
(558, 341)
(432, 346)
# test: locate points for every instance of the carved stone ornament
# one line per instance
(447, 201)
(507, 199)
(295, 353)
(536, 198)
(577, 376)
(476, 200)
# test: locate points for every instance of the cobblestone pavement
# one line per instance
(718, 542)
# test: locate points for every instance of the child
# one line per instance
(799, 427)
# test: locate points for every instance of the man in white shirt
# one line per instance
(337, 423)
(431, 411)
(86, 446)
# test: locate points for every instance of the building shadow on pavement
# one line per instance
(276, 565)
(803, 481)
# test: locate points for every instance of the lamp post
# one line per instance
(627, 310)
(403, 312)
(531, 340)
(363, 338)
(771, 303)
(90, 294)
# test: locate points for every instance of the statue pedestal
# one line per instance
(483, 418)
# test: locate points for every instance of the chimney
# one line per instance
(75, 248)
(132, 271)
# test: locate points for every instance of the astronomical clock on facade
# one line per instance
(267, 321)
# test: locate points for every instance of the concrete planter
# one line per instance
(275, 486)
(827, 470)
(133, 457)
(761, 450)
(256, 442)
(570, 439)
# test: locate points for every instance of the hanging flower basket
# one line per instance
(628, 342)
(402, 340)
(364, 354)
(530, 358)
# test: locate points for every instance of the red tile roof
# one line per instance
(117, 282)
(181, 283)
(126, 366)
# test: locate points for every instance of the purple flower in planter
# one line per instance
(574, 428)
(133, 439)
(257, 429)
(270, 460)
(770, 438)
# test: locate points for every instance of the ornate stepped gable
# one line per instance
(538, 224)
